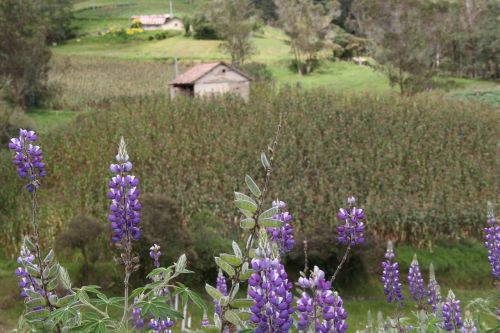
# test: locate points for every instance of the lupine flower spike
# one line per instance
(123, 192)
(204, 320)
(221, 286)
(351, 229)
(434, 291)
(318, 298)
(492, 241)
(271, 293)
(416, 282)
(28, 158)
(452, 314)
(154, 253)
(161, 326)
(390, 276)
(283, 236)
(469, 324)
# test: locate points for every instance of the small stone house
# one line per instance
(211, 79)
(159, 22)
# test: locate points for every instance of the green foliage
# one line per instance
(423, 167)
(59, 20)
(24, 55)
(203, 28)
(257, 71)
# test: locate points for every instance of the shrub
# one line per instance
(203, 28)
(258, 72)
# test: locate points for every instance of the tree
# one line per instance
(398, 41)
(235, 22)
(58, 15)
(24, 55)
(307, 24)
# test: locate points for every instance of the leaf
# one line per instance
(241, 196)
(246, 205)
(252, 186)
(215, 293)
(157, 307)
(237, 250)
(247, 330)
(160, 270)
(270, 223)
(269, 213)
(242, 303)
(225, 267)
(231, 259)
(49, 258)
(246, 275)
(38, 314)
(236, 288)
(50, 271)
(63, 301)
(232, 317)
(264, 161)
(247, 223)
(52, 284)
(63, 276)
(180, 265)
(36, 302)
(33, 270)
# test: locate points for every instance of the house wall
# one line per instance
(223, 79)
(174, 24)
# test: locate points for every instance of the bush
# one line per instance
(203, 28)
(258, 72)
(423, 166)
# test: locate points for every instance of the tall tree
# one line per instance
(58, 15)
(307, 24)
(24, 55)
(235, 22)
(398, 41)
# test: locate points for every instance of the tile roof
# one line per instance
(195, 73)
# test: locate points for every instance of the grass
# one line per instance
(47, 120)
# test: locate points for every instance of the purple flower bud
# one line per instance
(28, 158)
(283, 235)
(351, 228)
(416, 282)
(390, 277)
(452, 314)
(154, 253)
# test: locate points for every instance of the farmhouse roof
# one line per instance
(198, 71)
(152, 19)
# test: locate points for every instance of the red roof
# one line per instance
(194, 73)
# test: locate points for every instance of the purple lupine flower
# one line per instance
(319, 306)
(390, 277)
(160, 325)
(154, 253)
(125, 207)
(351, 230)
(138, 321)
(26, 281)
(28, 158)
(271, 293)
(283, 236)
(416, 281)
(221, 286)
(204, 320)
(492, 241)
(452, 314)
(434, 291)
(469, 324)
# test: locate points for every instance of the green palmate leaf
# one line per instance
(241, 196)
(270, 223)
(49, 259)
(216, 294)
(268, 213)
(241, 303)
(264, 161)
(52, 284)
(195, 298)
(166, 272)
(180, 266)
(231, 259)
(138, 291)
(252, 186)
(157, 307)
(38, 314)
(36, 302)
(33, 270)
(232, 317)
(246, 205)
(237, 250)
(225, 267)
(50, 271)
(63, 301)
(63, 276)
(247, 223)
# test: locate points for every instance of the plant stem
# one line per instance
(255, 229)
(339, 267)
